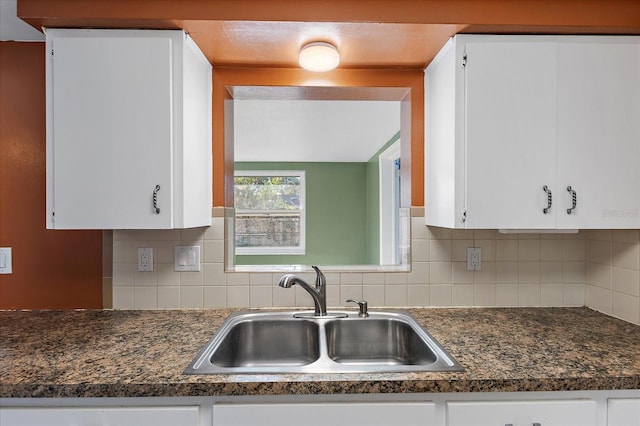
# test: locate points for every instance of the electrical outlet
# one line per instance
(145, 259)
(5, 260)
(474, 258)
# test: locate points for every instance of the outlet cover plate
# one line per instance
(5, 261)
(145, 259)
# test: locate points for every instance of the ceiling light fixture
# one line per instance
(319, 56)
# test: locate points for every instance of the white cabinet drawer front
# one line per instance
(623, 412)
(121, 416)
(325, 414)
(522, 413)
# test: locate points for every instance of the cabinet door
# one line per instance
(623, 412)
(510, 133)
(522, 413)
(599, 133)
(121, 416)
(111, 133)
(325, 414)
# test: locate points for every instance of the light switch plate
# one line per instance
(5, 261)
(186, 258)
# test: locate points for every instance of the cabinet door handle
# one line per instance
(549, 199)
(574, 199)
(156, 210)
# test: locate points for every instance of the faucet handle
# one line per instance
(320, 279)
(362, 304)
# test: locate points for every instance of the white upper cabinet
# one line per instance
(517, 127)
(128, 130)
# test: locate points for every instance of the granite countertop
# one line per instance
(143, 353)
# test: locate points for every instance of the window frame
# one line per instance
(284, 250)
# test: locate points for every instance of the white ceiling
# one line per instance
(12, 28)
(312, 130)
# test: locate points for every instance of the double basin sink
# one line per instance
(291, 342)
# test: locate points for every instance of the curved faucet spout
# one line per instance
(318, 293)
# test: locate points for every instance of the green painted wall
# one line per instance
(336, 229)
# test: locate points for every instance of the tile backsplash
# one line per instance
(599, 269)
(613, 273)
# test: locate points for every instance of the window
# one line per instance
(269, 213)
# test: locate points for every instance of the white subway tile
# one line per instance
(167, 276)
(551, 250)
(551, 295)
(600, 299)
(238, 296)
(529, 294)
(487, 275)
(626, 281)
(192, 297)
(440, 294)
(169, 297)
(529, 250)
(351, 278)
(122, 297)
(419, 273)
(260, 296)
(418, 295)
(626, 307)
(374, 295)
(214, 274)
(215, 297)
(260, 279)
(395, 295)
(462, 295)
(145, 298)
(440, 273)
(574, 294)
(440, 250)
(506, 250)
(192, 278)
(626, 255)
(484, 294)
(459, 273)
(507, 295)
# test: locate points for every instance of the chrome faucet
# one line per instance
(318, 293)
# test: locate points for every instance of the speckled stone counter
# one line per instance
(143, 353)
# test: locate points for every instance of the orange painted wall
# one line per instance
(51, 269)
(412, 130)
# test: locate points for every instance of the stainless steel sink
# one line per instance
(278, 342)
(268, 343)
(384, 341)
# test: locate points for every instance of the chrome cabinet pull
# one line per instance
(549, 199)
(156, 210)
(574, 199)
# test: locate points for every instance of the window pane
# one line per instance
(267, 192)
(267, 229)
(269, 212)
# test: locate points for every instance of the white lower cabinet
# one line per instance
(326, 414)
(623, 412)
(562, 408)
(522, 413)
(103, 416)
